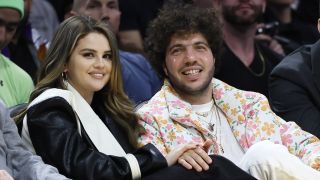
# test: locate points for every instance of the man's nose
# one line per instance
(190, 54)
(105, 13)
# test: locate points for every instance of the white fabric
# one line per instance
(99, 134)
(231, 147)
(268, 161)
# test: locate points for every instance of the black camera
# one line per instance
(270, 29)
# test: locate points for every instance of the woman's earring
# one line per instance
(64, 78)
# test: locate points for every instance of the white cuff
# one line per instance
(134, 166)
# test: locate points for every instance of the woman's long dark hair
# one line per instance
(112, 96)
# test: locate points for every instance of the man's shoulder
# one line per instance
(295, 62)
(13, 71)
(157, 100)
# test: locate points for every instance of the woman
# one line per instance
(79, 119)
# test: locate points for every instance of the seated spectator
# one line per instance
(245, 62)
(80, 120)
(194, 107)
(291, 32)
(15, 84)
(135, 17)
(140, 80)
(16, 162)
(295, 87)
(21, 50)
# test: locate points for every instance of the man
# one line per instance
(193, 107)
(15, 84)
(15, 160)
(140, 80)
(295, 87)
(28, 47)
(245, 62)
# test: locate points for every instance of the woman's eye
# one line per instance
(88, 55)
(107, 56)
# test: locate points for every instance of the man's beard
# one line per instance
(230, 16)
(183, 89)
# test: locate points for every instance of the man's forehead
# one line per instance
(10, 15)
(194, 37)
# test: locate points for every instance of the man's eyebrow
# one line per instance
(182, 45)
(174, 46)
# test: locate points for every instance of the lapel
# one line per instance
(315, 55)
(230, 100)
(181, 111)
(232, 103)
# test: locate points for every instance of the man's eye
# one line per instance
(11, 28)
(201, 48)
(176, 51)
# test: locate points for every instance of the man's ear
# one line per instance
(165, 69)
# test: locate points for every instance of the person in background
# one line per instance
(245, 62)
(295, 87)
(291, 32)
(80, 120)
(140, 80)
(16, 162)
(15, 84)
(191, 106)
(28, 47)
(135, 17)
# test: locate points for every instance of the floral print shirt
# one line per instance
(169, 122)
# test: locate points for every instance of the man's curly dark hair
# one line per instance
(182, 19)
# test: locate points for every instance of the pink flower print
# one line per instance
(243, 141)
(287, 139)
(178, 104)
(183, 120)
(169, 127)
(245, 106)
(181, 140)
(155, 110)
(251, 113)
(197, 139)
(252, 125)
(148, 135)
(146, 119)
(217, 93)
(284, 128)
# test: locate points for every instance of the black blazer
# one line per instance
(294, 88)
(53, 132)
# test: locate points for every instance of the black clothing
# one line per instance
(53, 131)
(232, 71)
(295, 88)
(137, 14)
(294, 34)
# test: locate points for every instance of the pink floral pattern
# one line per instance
(169, 121)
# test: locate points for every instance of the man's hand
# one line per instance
(197, 158)
(191, 156)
